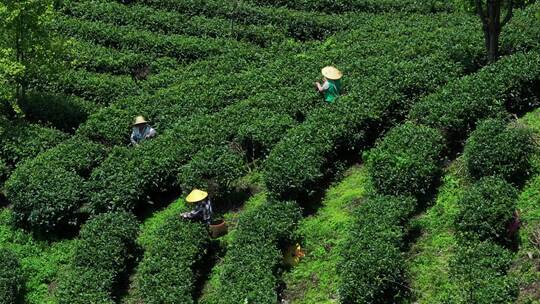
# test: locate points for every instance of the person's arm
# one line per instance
(151, 133)
(319, 87)
(323, 87)
(192, 214)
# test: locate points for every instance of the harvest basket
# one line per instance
(218, 228)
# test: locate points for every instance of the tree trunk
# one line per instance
(490, 14)
(493, 46)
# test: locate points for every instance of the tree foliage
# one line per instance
(26, 43)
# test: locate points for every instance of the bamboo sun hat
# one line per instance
(139, 120)
(196, 196)
(331, 73)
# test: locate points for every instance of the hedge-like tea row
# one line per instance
(215, 168)
(480, 264)
(99, 59)
(57, 175)
(372, 266)
(190, 96)
(298, 24)
(20, 140)
(496, 148)
(128, 175)
(521, 34)
(485, 210)
(63, 112)
(300, 161)
(480, 270)
(458, 106)
(168, 22)
(102, 89)
(194, 91)
(181, 47)
(406, 161)
(169, 268)
(375, 6)
(250, 270)
(11, 278)
(102, 253)
(303, 157)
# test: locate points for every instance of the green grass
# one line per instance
(429, 256)
(314, 279)
(41, 261)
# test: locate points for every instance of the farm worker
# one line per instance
(203, 206)
(331, 86)
(141, 130)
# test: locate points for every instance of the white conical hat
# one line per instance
(331, 73)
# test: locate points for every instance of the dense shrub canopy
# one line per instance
(251, 266)
(171, 263)
(406, 161)
(102, 253)
(228, 85)
(372, 260)
(485, 209)
(500, 149)
(213, 168)
(481, 268)
(48, 191)
(11, 278)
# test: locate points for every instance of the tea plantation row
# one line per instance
(294, 170)
(213, 117)
(407, 162)
(373, 76)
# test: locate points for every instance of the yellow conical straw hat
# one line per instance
(331, 73)
(139, 120)
(196, 196)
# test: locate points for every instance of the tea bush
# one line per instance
(458, 106)
(102, 89)
(56, 175)
(169, 22)
(480, 268)
(105, 245)
(298, 24)
(485, 210)
(522, 32)
(372, 264)
(496, 148)
(20, 140)
(406, 161)
(377, 6)
(99, 59)
(119, 183)
(11, 278)
(213, 168)
(300, 161)
(170, 266)
(249, 272)
(181, 47)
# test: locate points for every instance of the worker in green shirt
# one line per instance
(331, 86)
